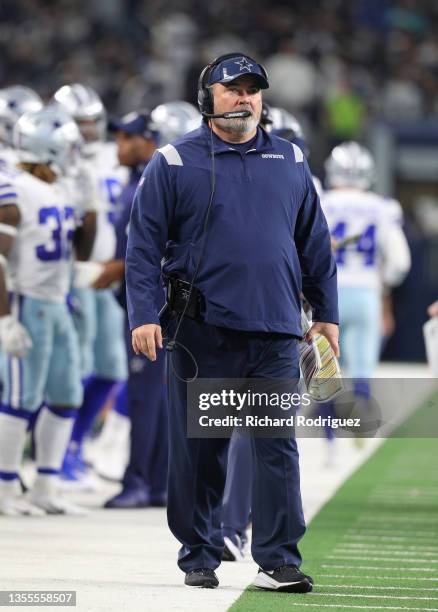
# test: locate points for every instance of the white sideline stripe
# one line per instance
(382, 578)
(398, 551)
(171, 155)
(378, 569)
(376, 533)
(380, 490)
(410, 477)
(385, 547)
(409, 497)
(315, 605)
(383, 588)
(376, 521)
(406, 524)
(414, 518)
(387, 542)
(405, 492)
(354, 536)
(417, 527)
(391, 528)
(410, 501)
(362, 596)
(403, 496)
(360, 558)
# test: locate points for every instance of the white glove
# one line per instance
(86, 273)
(14, 337)
(85, 197)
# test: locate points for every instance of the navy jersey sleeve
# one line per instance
(318, 268)
(147, 236)
(121, 228)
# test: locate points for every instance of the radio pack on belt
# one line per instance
(178, 292)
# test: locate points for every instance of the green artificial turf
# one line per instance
(374, 545)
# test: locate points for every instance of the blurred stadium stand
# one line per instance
(349, 69)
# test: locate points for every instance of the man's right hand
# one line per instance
(145, 339)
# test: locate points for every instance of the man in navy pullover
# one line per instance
(265, 240)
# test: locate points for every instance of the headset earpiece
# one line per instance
(205, 97)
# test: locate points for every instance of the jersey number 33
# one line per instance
(61, 222)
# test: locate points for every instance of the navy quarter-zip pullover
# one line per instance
(267, 238)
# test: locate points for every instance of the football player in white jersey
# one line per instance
(37, 228)
(173, 119)
(101, 329)
(374, 262)
(14, 102)
(281, 123)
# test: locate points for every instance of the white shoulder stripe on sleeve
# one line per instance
(298, 153)
(8, 193)
(9, 230)
(171, 155)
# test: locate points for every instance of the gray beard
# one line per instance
(237, 126)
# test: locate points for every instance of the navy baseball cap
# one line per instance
(137, 122)
(232, 68)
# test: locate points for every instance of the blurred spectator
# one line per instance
(345, 114)
(345, 59)
(293, 78)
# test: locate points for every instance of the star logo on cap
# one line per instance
(244, 64)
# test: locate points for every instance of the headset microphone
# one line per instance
(228, 115)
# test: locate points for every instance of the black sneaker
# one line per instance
(204, 578)
(287, 578)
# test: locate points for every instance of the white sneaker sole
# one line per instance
(234, 550)
(264, 581)
(52, 504)
(86, 483)
(19, 506)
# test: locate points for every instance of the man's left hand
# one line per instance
(330, 331)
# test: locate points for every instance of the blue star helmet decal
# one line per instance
(244, 64)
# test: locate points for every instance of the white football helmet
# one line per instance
(283, 120)
(49, 136)
(174, 119)
(350, 165)
(14, 102)
(87, 109)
